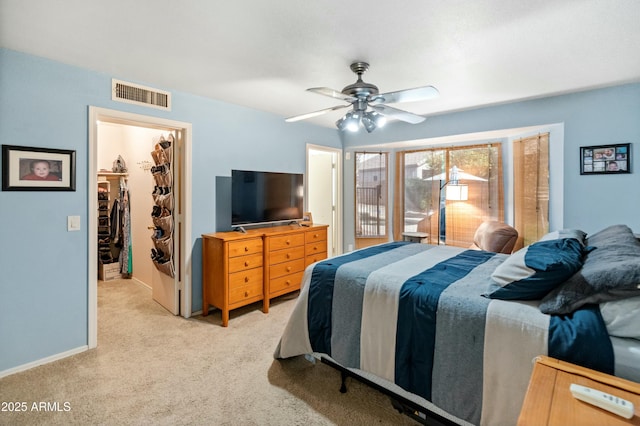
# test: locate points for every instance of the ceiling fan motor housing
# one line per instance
(360, 90)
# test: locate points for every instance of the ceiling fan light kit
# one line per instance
(368, 104)
(372, 120)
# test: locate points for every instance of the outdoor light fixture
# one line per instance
(456, 192)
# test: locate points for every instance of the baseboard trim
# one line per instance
(142, 283)
(42, 361)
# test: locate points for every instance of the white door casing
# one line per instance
(323, 192)
(182, 160)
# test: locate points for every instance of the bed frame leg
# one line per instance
(343, 385)
(405, 406)
(399, 408)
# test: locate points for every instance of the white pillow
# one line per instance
(622, 317)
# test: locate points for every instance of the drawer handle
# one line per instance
(288, 282)
(246, 263)
(288, 268)
(246, 294)
(288, 256)
(246, 279)
(288, 242)
(246, 248)
(315, 248)
(315, 235)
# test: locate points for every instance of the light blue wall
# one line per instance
(43, 279)
(595, 117)
(43, 268)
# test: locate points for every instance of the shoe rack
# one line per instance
(104, 223)
(162, 214)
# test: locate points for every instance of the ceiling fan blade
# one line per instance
(408, 95)
(314, 114)
(331, 93)
(405, 116)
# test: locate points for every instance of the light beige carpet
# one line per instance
(151, 367)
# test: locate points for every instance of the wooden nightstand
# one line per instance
(549, 401)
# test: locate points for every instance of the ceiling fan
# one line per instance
(369, 106)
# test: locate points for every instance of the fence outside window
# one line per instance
(371, 194)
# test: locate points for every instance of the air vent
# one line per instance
(130, 93)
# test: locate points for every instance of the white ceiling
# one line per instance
(263, 54)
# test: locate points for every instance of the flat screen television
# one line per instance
(265, 197)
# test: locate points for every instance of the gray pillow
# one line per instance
(611, 271)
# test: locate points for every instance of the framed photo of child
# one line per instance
(605, 159)
(38, 169)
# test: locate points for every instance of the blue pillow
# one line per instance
(535, 270)
(578, 234)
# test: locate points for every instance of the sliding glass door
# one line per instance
(449, 192)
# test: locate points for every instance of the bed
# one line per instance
(456, 330)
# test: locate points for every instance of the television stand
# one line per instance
(240, 229)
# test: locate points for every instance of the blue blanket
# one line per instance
(425, 302)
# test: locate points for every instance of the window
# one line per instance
(371, 197)
(426, 180)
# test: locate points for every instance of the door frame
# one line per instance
(337, 231)
(97, 115)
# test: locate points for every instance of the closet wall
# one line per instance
(135, 145)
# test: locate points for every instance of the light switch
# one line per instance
(73, 223)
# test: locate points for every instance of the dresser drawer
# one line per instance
(315, 247)
(315, 235)
(287, 268)
(285, 241)
(288, 283)
(241, 248)
(285, 255)
(246, 294)
(313, 258)
(242, 263)
(248, 277)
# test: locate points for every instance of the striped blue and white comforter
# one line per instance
(413, 314)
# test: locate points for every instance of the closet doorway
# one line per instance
(135, 137)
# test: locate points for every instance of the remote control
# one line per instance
(619, 406)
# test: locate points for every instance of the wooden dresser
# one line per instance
(243, 268)
(315, 245)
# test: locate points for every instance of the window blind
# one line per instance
(531, 187)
